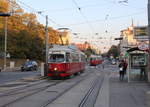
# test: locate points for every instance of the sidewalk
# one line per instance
(124, 94)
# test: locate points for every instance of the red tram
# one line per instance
(95, 60)
(65, 61)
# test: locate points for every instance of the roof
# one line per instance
(136, 49)
(67, 48)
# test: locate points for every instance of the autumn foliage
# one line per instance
(26, 35)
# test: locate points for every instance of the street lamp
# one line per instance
(149, 31)
(46, 46)
(6, 15)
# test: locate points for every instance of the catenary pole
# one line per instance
(46, 45)
(149, 34)
(5, 51)
(6, 15)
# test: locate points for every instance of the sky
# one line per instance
(95, 21)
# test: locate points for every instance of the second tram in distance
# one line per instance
(95, 60)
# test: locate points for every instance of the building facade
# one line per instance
(64, 37)
(132, 37)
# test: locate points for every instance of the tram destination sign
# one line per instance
(141, 33)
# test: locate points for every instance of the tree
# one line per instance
(89, 51)
(114, 51)
(26, 36)
(4, 6)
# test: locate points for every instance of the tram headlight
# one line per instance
(55, 69)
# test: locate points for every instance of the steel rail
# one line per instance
(10, 91)
(65, 91)
(93, 92)
(32, 93)
(42, 89)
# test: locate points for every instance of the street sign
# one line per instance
(143, 46)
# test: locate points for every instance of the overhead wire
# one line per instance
(124, 3)
(12, 4)
(37, 12)
(110, 18)
(79, 8)
(85, 18)
(69, 9)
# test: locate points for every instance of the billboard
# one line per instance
(141, 33)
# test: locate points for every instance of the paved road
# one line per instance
(113, 93)
(12, 76)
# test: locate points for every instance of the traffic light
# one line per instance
(5, 14)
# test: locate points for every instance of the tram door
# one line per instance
(138, 67)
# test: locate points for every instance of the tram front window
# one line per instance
(56, 58)
(91, 59)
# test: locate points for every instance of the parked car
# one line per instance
(113, 62)
(29, 66)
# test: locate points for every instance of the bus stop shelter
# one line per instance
(137, 65)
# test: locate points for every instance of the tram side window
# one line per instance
(68, 59)
(75, 57)
(83, 59)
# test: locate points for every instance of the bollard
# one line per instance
(148, 98)
(12, 64)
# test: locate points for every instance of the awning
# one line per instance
(135, 49)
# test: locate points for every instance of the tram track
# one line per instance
(24, 90)
(65, 91)
(48, 102)
(13, 91)
(31, 92)
(45, 104)
(91, 96)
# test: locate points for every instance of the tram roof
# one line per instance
(95, 56)
(68, 48)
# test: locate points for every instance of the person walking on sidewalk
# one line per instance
(122, 69)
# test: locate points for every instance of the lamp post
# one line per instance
(46, 47)
(6, 15)
(149, 34)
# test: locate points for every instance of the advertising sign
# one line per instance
(138, 60)
(143, 46)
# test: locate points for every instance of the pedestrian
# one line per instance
(125, 65)
(142, 73)
(122, 69)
